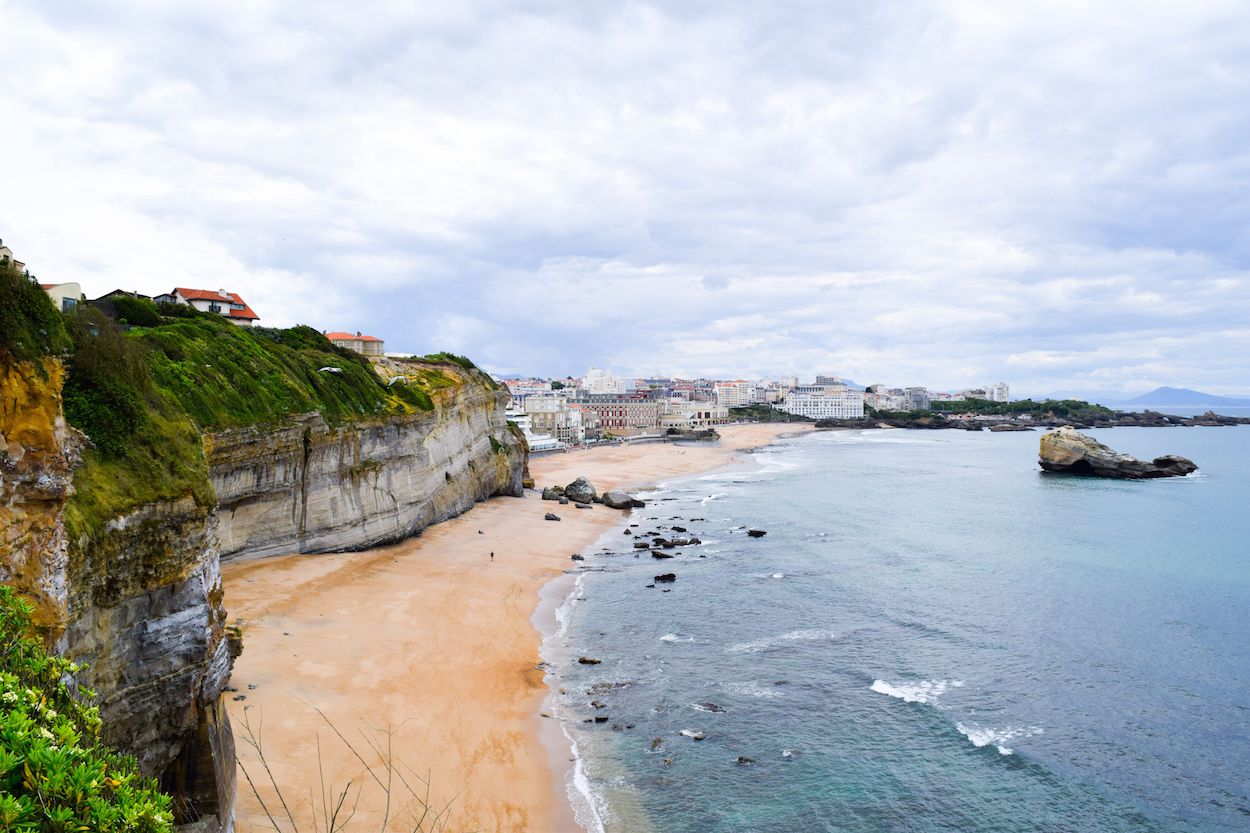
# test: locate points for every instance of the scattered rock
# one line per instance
(580, 490)
(581, 505)
(658, 554)
(743, 760)
(656, 743)
(641, 545)
(620, 499)
(626, 532)
(564, 501)
(251, 686)
(1069, 451)
(756, 533)
(666, 577)
(553, 493)
(679, 529)
(711, 707)
(238, 697)
(551, 516)
(588, 661)
(577, 557)
(598, 704)
(601, 718)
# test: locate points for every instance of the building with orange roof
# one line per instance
(219, 301)
(358, 341)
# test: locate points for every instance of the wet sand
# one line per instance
(428, 646)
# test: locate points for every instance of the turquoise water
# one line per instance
(932, 636)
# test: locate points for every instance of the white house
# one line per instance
(824, 402)
(65, 296)
(361, 343)
(219, 301)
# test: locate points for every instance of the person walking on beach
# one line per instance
(492, 556)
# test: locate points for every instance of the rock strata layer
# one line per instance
(1071, 452)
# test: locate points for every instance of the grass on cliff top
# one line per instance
(227, 376)
(30, 326)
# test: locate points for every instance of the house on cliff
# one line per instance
(366, 345)
(229, 304)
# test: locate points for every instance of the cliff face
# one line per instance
(138, 597)
(38, 455)
(308, 487)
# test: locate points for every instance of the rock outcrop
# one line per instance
(619, 499)
(1069, 451)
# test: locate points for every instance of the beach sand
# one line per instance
(428, 646)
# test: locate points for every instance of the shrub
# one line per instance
(107, 392)
(54, 774)
(138, 312)
(30, 326)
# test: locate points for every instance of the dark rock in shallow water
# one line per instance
(666, 577)
(658, 554)
(756, 533)
(580, 490)
(1069, 451)
(619, 499)
(743, 760)
(588, 661)
(710, 707)
(577, 557)
(641, 545)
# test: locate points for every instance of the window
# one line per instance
(68, 304)
(214, 307)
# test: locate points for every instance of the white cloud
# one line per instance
(1053, 194)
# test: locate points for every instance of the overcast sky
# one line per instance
(1054, 194)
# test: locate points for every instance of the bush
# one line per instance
(30, 326)
(138, 312)
(107, 392)
(54, 774)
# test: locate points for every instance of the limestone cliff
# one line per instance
(305, 486)
(135, 592)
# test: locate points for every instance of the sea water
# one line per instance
(933, 635)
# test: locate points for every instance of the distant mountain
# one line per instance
(1183, 396)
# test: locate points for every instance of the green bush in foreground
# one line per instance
(54, 774)
(30, 326)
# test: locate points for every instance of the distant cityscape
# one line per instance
(560, 413)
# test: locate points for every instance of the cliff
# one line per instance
(1067, 450)
(306, 486)
(197, 440)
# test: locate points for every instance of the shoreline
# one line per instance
(435, 641)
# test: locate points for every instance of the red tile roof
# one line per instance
(216, 295)
(350, 337)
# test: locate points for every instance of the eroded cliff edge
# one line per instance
(117, 537)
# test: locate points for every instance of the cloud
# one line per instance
(931, 193)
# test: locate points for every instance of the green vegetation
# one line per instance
(138, 312)
(557, 385)
(54, 774)
(1074, 409)
(765, 413)
(30, 326)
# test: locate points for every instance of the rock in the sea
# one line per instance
(553, 493)
(580, 491)
(551, 516)
(577, 557)
(618, 499)
(1069, 451)
(666, 577)
(693, 734)
(756, 533)
(743, 760)
(588, 661)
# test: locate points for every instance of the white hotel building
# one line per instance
(824, 402)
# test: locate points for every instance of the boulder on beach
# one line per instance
(580, 491)
(620, 499)
(1069, 451)
(553, 493)
(551, 516)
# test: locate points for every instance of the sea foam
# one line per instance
(925, 691)
(985, 736)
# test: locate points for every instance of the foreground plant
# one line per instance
(55, 776)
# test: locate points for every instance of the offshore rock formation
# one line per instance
(309, 487)
(1068, 450)
(139, 596)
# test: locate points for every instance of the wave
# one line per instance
(589, 808)
(672, 637)
(985, 736)
(755, 646)
(925, 691)
(750, 688)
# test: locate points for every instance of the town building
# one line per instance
(65, 296)
(685, 415)
(358, 341)
(600, 381)
(227, 304)
(521, 389)
(536, 441)
(734, 394)
(552, 414)
(998, 392)
(622, 413)
(918, 399)
(6, 258)
(824, 402)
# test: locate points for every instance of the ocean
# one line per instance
(933, 635)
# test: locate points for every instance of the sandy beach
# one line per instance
(428, 646)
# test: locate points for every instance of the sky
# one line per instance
(1053, 194)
